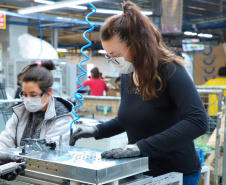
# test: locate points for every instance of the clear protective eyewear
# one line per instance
(22, 95)
(114, 59)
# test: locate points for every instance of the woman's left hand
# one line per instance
(127, 151)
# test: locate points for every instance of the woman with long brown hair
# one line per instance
(160, 109)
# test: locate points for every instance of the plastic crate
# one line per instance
(200, 152)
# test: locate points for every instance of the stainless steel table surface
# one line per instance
(80, 164)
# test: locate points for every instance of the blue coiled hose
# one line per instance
(79, 97)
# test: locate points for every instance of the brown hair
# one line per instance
(222, 71)
(95, 73)
(39, 73)
(146, 46)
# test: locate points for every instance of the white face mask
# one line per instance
(33, 104)
(121, 65)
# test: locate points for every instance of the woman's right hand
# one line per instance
(83, 132)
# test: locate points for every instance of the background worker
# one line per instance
(19, 87)
(118, 82)
(97, 85)
(213, 100)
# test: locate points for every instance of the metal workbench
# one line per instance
(80, 165)
(76, 166)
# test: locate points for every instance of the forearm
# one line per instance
(109, 129)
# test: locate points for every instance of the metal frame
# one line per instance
(206, 171)
(219, 91)
(169, 178)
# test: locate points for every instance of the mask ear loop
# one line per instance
(115, 59)
(127, 51)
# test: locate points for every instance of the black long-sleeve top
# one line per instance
(164, 127)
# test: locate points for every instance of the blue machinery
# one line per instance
(79, 97)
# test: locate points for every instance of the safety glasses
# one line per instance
(23, 95)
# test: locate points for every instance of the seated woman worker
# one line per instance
(41, 115)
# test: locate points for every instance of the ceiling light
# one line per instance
(207, 35)
(190, 33)
(78, 7)
(109, 11)
(147, 12)
(62, 4)
(61, 50)
(101, 51)
(64, 18)
(51, 2)
(201, 35)
(44, 1)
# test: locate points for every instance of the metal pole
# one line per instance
(54, 37)
(224, 148)
(217, 147)
(221, 11)
(217, 87)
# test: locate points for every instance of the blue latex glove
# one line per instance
(127, 151)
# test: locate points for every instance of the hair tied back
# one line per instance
(39, 63)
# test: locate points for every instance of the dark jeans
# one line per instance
(192, 179)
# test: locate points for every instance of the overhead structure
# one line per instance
(63, 4)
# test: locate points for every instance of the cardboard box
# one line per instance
(207, 63)
(210, 162)
(211, 179)
(113, 92)
(100, 107)
(212, 140)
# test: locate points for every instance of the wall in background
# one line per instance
(101, 62)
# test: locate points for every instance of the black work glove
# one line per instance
(83, 132)
(127, 151)
(7, 158)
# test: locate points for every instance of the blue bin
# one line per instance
(200, 152)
